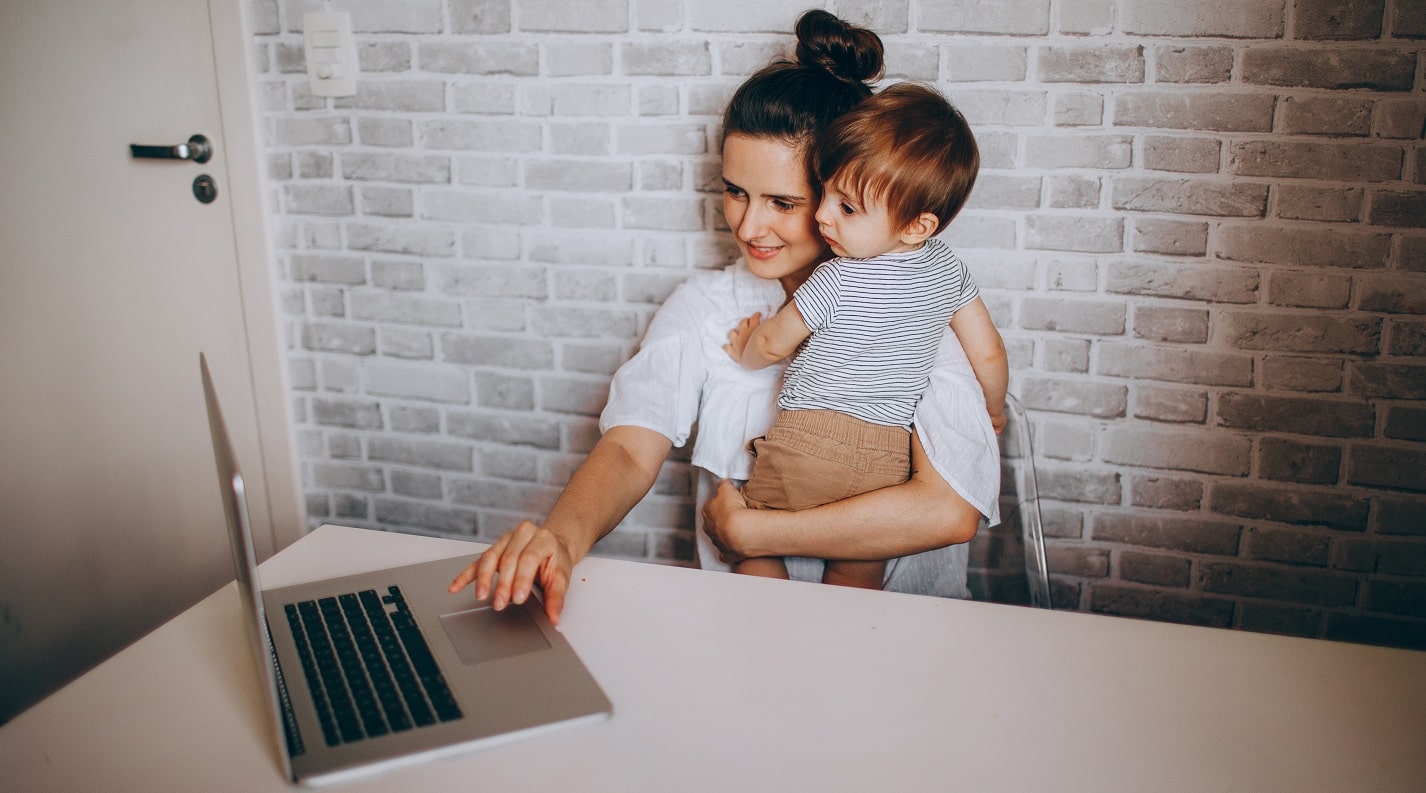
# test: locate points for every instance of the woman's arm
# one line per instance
(617, 473)
(986, 352)
(918, 515)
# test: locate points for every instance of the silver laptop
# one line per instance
(371, 671)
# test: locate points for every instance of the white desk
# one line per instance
(724, 682)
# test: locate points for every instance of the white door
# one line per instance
(113, 277)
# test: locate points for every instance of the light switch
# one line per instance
(331, 53)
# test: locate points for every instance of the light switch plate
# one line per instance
(331, 53)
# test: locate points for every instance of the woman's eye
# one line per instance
(733, 192)
(785, 206)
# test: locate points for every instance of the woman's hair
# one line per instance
(793, 101)
(907, 148)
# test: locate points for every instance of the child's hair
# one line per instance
(907, 147)
(794, 101)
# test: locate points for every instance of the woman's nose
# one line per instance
(754, 225)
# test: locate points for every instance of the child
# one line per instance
(895, 170)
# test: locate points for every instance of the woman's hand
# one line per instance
(521, 558)
(722, 517)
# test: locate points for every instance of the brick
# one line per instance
(338, 476)
(1397, 294)
(1073, 316)
(1000, 191)
(1065, 355)
(1300, 332)
(1293, 373)
(1163, 324)
(1078, 109)
(1061, 441)
(1087, 17)
(480, 16)
(1174, 365)
(1309, 587)
(666, 59)
(490, 58)
(574, 213)
(663, 139)
(1171, 405)
(515, 465)
(1389, 381)
(403, 308)
(1075, 396)
(1407, 338)
(1077, 561)
(664, 214)
(311, 165)
(1072, 276)
(1399, 208)
(413, 484)
(1354, 555)
(500, 135)
(1406, 598)
(1408, 21)
(1405, 423)
(1108, 63)
(577, 99)
(387, 202)
(408, 418)
(1182, 154)
(1326, 116)
(591, 357)
(591, 16)
(403, 96)
(1195, 110)
(1305, 416)
(1189, 282)
(1296, 202)
(1375, 69)
(580, 139)
(1086, 234)
(347, 413)
(504, 428)
(501, 351)
(1346, 162)
(497, 390)
(1298, 506)
(574, 395)
(1078, 151)
(384, 167)
(579, 175)
(1400, 515)
(970, 63)
(1401, 118)
(1176, 450)
(424, 383)
(322, 131)
(328, 269)
(1282, 620)
(1288, 547)
(1072, 191)
(1153, 568)
(1285, 460)
(494, 281)
(1128, 601)
(1168, 18)
(1304, 290)
(1065, 523)
(446, 456)
(1387, 467)
(1187, 64)
(1157, 492)
(563, 58)
(458, 206)
(330, 337)
(1012, 17)
(1078, 484)
(568, 321)
(1402, 558)
(1189, 197)
(1337, 19)
(1001, 108)
(1168, 237)
(1376, 630)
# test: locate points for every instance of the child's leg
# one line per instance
(767, 567)
(867, 575)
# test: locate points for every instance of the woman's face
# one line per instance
(771, 208)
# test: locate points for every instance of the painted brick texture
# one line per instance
(1201, 227)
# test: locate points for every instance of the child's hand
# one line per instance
(739, 335)
(997, 422)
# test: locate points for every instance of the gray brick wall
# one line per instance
(1201, 228)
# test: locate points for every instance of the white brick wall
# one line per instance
(1201, 227)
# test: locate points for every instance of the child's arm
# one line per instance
(755, 344)
(986, 352)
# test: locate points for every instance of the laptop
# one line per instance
(372, 671)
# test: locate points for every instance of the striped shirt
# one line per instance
(876, 325)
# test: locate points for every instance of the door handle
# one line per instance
(198, 149)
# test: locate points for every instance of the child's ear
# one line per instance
(920, 229)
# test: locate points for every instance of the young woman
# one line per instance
(681, 375)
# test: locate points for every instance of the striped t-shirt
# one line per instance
(876, 325)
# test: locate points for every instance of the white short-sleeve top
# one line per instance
(681, 376)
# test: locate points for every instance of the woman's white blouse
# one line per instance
(681, 376)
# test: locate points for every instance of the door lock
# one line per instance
(198, 149)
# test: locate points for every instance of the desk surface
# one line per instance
(724, 682)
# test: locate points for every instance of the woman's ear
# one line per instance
(921, 228)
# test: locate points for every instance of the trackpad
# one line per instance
(484, 634)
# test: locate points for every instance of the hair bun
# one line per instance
(846, 51)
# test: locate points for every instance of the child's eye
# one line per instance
(848, 209)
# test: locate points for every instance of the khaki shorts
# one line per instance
(814, 457)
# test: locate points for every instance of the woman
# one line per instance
(681, 376)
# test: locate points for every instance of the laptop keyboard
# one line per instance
(368, 667)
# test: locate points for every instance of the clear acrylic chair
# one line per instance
(1019, 447)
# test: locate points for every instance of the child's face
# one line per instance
(856, 227)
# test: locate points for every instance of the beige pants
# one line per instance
(814, 457)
